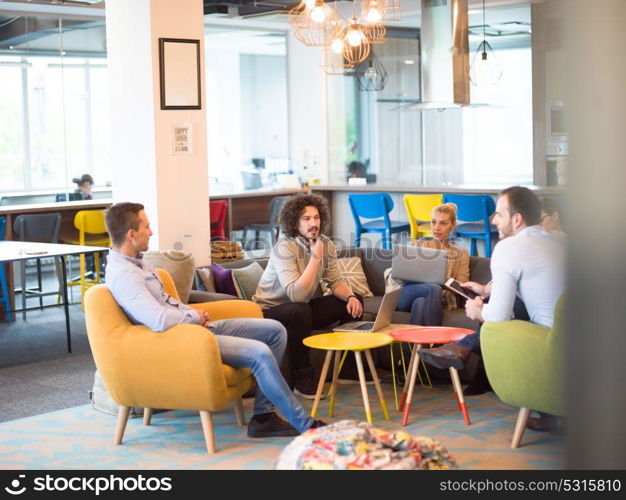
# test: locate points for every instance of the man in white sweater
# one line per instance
(528, 262)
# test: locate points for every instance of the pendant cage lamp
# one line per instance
(372, 11)
(355, 55)
(485, 69)
(391, 10)
(316, 27)
(333, 63)
(375, 33)
(357, 46)
(371, 75)
(296, 17)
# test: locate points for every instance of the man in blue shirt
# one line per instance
(257, 344)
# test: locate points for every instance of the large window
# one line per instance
(54, 122)
(487, 143)
(247, 130)
(372, 136)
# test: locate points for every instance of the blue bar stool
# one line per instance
(375, 206)
(3, 278)
(474, 207)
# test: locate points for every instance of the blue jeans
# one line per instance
(423, 301)
(472, 342)
(259, 344)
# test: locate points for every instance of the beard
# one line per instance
(311, 233)
(505, 232)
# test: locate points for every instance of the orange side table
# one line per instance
(419, 336)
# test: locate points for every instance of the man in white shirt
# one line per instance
(528, 262)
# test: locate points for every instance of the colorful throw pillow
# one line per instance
(223, 280)
(180, 266)
(206, 279)
(352, 272)
(246, 279)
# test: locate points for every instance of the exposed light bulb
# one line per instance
(373, 15)
(337, 45)
(310, 3)
(355, 37)
(483, 71)
(370, 73)
(318, 15)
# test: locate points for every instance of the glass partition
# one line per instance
(247, 119)
(489, 143)
(53, 104)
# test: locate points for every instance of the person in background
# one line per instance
(84, 184)
(427, 301)
(551, 218)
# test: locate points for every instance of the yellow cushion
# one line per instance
(235, 376)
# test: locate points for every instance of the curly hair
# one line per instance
(292, 210)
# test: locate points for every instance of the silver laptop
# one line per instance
(383, 318)
(420, 264)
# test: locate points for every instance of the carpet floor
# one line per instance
(82, 438)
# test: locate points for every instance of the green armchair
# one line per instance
(524, 364)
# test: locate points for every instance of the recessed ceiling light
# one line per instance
(409, 61)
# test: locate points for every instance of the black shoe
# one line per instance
(304, 383)
(317, 424)
(270, 425)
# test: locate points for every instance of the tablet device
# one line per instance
(454, 286)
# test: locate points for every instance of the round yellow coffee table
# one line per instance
(348, 341)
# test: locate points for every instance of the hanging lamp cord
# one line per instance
(484, 36)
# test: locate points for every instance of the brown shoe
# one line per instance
(446, 356)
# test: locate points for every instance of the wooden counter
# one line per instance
(67, 209)
(462, 189)
(249, 207)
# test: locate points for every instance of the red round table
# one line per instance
(429, 335)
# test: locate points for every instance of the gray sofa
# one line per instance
(374, 261)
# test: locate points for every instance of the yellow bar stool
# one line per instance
(356, 342)
(91, 232)
(419, 207)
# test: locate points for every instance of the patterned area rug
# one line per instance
(82, 438)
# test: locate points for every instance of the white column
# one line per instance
(173, 188)
(307, 107)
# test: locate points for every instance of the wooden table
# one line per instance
(348, 341)
(13, 251)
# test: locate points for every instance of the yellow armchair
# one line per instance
(179, 369)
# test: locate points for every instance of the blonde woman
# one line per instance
(427, 301)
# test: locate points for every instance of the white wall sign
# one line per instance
(182, 143)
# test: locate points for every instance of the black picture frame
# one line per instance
(180, 75)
